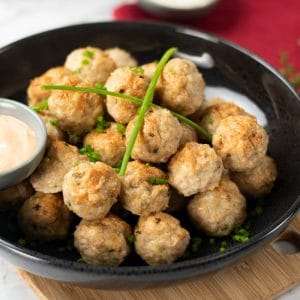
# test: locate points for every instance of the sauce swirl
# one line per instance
(17, 142)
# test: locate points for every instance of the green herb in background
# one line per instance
(41, 107)
(224, 246)
(289, 71)
(90, 153)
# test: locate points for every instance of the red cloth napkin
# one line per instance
(265, 27)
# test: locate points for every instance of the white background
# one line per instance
(18, 19)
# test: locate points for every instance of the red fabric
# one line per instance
(265, 27)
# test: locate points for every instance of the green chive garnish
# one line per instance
(90, 153)
(101, 124)
(156, 180)
(41, 107)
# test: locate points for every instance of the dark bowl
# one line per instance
(235, 68)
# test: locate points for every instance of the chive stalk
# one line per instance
(144, 108)
(102, 91)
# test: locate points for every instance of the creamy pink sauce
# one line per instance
(17, 142)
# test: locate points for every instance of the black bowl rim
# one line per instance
(181, 265)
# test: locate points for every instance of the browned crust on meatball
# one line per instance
(103, 242)
(44, 217)
(159, 239)
(138, 195)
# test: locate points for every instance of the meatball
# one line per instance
(76, 112)
(219, 211)
(158, 138)
(103, 242)
(259, 181)
(149, 70)
(44, 217)
(121, 57)
(195, 168)
(54, 76)
(59, 159)
(14, 195)
(90, 64)
(240, 142)
(126, 81)
(53, 131)
(182, 87)
(91, 189)
(159, 239)
(109, 143)
(138, 194)
(188, 135)
(217, 112)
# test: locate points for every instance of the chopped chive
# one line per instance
(88, 53)
(85, 61)
(156, 180)
(131, 239)
(137, 70)
(196, 243)
(210, 121)
(41, 107)
(100, 86)
(102, 124)
(92, 155)
(77, 71)
(54, 122)
(212, 241)
(22, 242)
(172, 71)
(121, 128)
(81, 260)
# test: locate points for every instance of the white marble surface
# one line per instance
(20, 18)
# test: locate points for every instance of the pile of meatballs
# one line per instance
(172, 169)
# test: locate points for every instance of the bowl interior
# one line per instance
(234, 69)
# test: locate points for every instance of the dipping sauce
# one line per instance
(17, 142)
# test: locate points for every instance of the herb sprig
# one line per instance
(157, 181)
(92, 155)
(41, 107)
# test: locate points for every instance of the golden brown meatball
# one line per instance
(103, 242)
(53, 76)
(91, 189)
(195, 168)
(159, 239)
(76, 112)
(158, 138)
(259, 181)
(188, 135)
(138, 194)
(54, 133)
(240, 142)
(109, 144)
(126, 81)
(14, 195)
(219, 211)
(44, 217)
(59, 159)
(149, 70)
(217, 112)
(182, 87)
(121, 57)
(90, 64)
